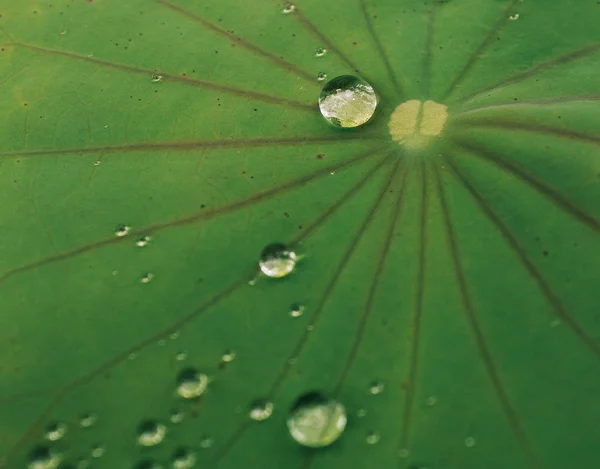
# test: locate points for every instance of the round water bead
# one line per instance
(56, 431)
(261, 410)
(316, 421)
(191, 383)
(43, 457)
(151, 433)
(276, 260)
(183, 458)
(347, 101)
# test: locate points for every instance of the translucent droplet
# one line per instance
(191, 383)
(347, 101)
(206, 442)
(276, 260)
(372, 438)
(151, 433)
(376, 387)
(56, 431)
(181, 356)
(288, 8)
(469, 442)
(43, 457)
(514, 17)
(156, 77)
(296, 310)
(316, 421)
(97, 163)
(174, 335)
(98, 451)
(361, 413)
(320, 52)
(321, 76)
(431, 401)
(228, 356)
(142, 241)
(183, 458)
(88, 420)
(122, 230)
(146, 464)
(177, 416)
(261, 410)
(147, 278)
(82, 463)
(132, 356)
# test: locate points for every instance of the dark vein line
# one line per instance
(520, 253)
(248, 94)
(496, 123)
(178, 325)
(484, 352)
(530, 102)
(202, 215)
(537, 69)
(487, 42)
(541, 187)
(426, 76)
(231, 442)
(409, 397)
(191, 145)
(380, 50)
(280, 62)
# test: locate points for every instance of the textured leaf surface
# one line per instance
(461, 275)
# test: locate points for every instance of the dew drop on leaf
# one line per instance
(372, 438)
(469, 442)
(98, 451)
(82, 463)
(88, 420)
(320, 52)
(431, 401)
(177, 416)
(43, 457)
(122, 230)
(376, 387)
(361, 412)
(288, 8)
(206, 442)
(156, 77)
(142, 241)
(261, 410)
(147, 278)
(147, 464)
(321, 76)
(183, 458)
(276, 260)
(316, 421)
(228, 356)
(151, 433)
(181, 356)
(56, 431)
(191, 383)
(347, 101)
(296, 310)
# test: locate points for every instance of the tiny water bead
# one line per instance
(316, 421)
(142, 241)
(277, 261)
(321, 76)
(56, 431)
(151, 433)
(177, 416)
(206, 442)
(147, 278)
(82, 463)
(156, 77)
(147, 464)
(228, 356)
(122, 230)
(98, 451)
(431, 401)
(88, 420)
(347, 101)
(320, 52)
(183, 458)
(288, 8)
(296, 310)
(191, 383)
(376, 387)
(261, 410)
(372, 438)
(181, 356)
(43, 457)
(469, 442)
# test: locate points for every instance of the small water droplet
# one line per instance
(431, 401)
(43, 457)
(191, 383)
(288, 8)
(177, 416)
(183, 458)
(55, 431)
(161, 342)
(206, 442)
(321, 76)
(151, 433)
(90, 54)
(555, 323)
(403, 453)
(376, 388)
(132, 356)
(122, 230)
(469, 442)
(174, 335)
(147, 278)
(514, 17)
(82, 463)
(88, 420)
(296, 310)
(310, 328)
(156, 77)
(316, 421)
(146, 464)
(261, 410)
(320, 52)
(276, 260)
(228, 356)
(63, 32)
(97, 163)
(181, 356)
(372, 438)
(98, 451)
(361, 413)
(347, 101)
(142, 241)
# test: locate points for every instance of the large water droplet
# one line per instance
(276, 260)
(316, 421)
(56, 431)
(43, 457)
(261, 410)
(151, 433)
(88, 420)
(347, 101)
(296, 310)
(191, 383)
(183, 458)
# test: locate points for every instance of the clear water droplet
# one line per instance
(156, 77)
(361, 413)
(276, 260)
(174, 335)
(56, 431)
(63, 32)
(191, 383)
(43, 457)
(97, 163)
(347, 101)
(151, 433)
(147, 278)
(98, 451)
(228, 356)
(316, 421)
(288, 8)
(181, 356)
(372, 438)
(183, 458)
(296, 310)
(431, 401)
(514, 17)
(82, 463)
(122, 230)
(142, 241)
(321, 76)
(469, 442)
(206, 442)
(147, 464)
(132, 356)
(376, 388)
(261, 410)
(177, 416)
(88, 420)
(320, 52)
(161, 342)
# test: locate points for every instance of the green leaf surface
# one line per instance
(460, 272)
